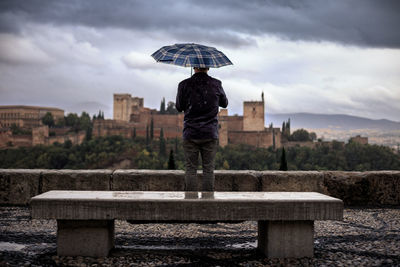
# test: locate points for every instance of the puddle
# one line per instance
(6, 246)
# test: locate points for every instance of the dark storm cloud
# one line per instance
(360, 22)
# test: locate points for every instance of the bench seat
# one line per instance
(85, 219)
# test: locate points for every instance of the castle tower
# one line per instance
(253, 115)
(122, 106)
(125, 105)
(223, 127)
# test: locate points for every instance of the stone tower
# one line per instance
(125, 106)
(253, 115)
(223, 127)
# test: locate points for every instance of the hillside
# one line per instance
(334, 122)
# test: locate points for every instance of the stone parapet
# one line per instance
(17, 186)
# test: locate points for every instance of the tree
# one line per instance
(176, 144)
(171, 161)
(300, 135)
(152, 129)
(85, 124)
(71, 119)
(162, 106)
(134, 133)
(283, 165)
(171, 108)
(273, 139)
(48, 119)
(147, 136)
(162, 143)
(286, 128)
(225, 165)
(313, 136)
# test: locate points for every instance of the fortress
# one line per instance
(30, 118)
(130, 117)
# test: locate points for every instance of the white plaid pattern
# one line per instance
(191, 55)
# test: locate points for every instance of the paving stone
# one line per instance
(366, 237)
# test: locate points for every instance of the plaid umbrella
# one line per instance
(191, 55)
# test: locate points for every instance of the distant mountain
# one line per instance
(334, 122)
(90, 107)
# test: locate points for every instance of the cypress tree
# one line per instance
(162, 143)
(162, 106)
(171, 161)
(147, 135)
(176, 144)
(273, 139)
(152, 129)
(283, 165)
(134, 133)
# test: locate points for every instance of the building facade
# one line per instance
(26, 116)
(132, 118)
(126, 106)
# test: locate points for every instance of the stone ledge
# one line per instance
(17, 186)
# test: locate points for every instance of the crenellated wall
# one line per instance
(17, 186)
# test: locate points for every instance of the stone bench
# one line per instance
(85, 219)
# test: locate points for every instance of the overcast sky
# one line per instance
(318, 56)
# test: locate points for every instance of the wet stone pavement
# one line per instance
(366, 237)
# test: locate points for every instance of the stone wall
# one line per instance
(17, 186)
(253, 138)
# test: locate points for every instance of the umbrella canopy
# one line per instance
(191, 55)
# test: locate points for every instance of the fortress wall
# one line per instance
(21, 140)
(235, 123)
(168, 120)
(5, 137)
(257, 139)
(75, 138)
(17, 186)
(289, 144)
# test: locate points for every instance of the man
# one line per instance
(199, 97)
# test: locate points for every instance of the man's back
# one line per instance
(199, 97)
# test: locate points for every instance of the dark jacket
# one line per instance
(199, 97)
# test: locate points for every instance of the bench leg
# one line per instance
(286, 239)
(91, 238)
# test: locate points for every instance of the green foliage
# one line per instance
(100, 115)
(300, 135)
(72, 120)
(313, 136)
(286, 129)
(48, 119)
(147, 136)
(171, 161)
(19, 131)
(152, 129)
(101, 153)
(163, 149)
(171, 108)
(283, 165)
(162, 106)
(60, 122)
